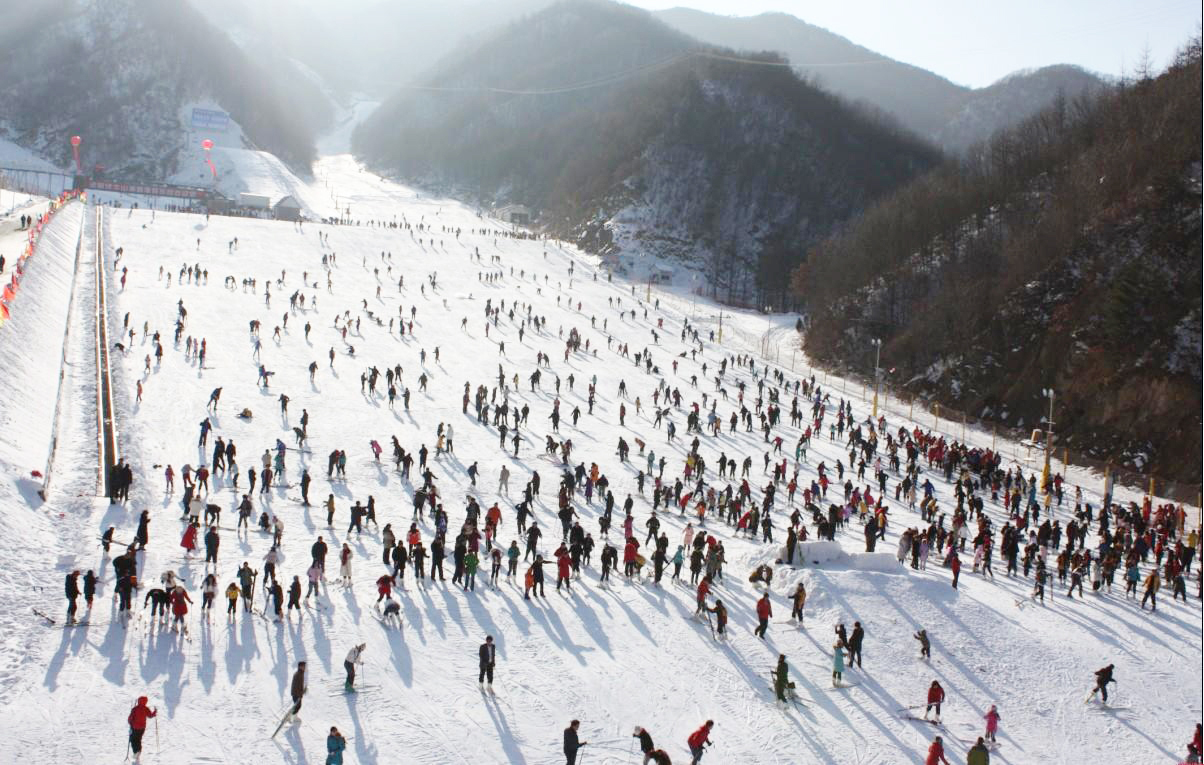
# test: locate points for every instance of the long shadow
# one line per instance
(505, 735)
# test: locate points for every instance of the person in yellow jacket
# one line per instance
(1152, 583)
(232, 593)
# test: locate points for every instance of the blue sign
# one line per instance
(210, 119)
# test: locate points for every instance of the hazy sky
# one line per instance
(975, 42)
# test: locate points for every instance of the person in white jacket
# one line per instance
(354, 657)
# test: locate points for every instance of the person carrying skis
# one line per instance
(699, 740)
(936, 695)
(354, 656)
(335, 744)
(137, 722)
(1102, 678)
(572, 744)
(936, 753)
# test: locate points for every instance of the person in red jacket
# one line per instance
(936, 694)
(179, 608)
(564, 570)
(698, 740)
(764, 611)
(137, 721)
(704, 589)
(956, 564)
(189, 541)
(384, 588)
(936, 753)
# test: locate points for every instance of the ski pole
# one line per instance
(158, 751)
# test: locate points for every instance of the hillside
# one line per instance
(120, 72)
(1065, 254)
(733, 167)
(952, 116)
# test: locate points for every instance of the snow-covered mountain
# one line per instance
(119, 72)
(632, 139)
(952, 116)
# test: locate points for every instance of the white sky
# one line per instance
(975, 43)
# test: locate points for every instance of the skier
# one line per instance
(571, 743)
(936, 695)
(1102, 678)
(699, 740)
(837, 663)
(137, 722)
(781, 674)
(646, 745)
(487, 654)
(992, 718)
(354, 656)
(297, 691)
(799, 600)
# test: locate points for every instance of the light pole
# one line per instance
(877, 343)
(1049, 394)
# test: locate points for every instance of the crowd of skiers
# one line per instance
(793, 498)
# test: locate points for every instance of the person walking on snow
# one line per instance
(837, 663)
(571, 743)
(764, 612)
(699, 740)
(335, 744)
(936, 753)
(297, 690)
(354, 656)
(137, 722)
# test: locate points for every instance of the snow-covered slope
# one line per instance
(615, 657)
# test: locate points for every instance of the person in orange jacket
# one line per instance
(764, 611)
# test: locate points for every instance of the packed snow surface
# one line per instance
(624, 655)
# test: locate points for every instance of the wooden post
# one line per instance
(911, 406)
(1151, 488)
(994, 433)
(936, 416)
(963, 427)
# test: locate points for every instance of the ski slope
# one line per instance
(615, 657)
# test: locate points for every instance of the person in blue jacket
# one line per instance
(335, 744)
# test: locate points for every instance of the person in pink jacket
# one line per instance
(992, 718)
